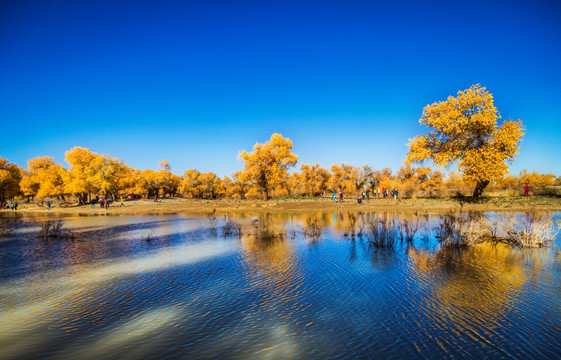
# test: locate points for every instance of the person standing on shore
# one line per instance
(122, 204)
(394, 193)
(341, 196)
(526, 190)
(48, 205)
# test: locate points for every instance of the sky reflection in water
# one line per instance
(168, 287)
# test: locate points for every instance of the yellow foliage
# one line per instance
(150, 183)
(413, 180)
(295, 185)
(10, 177)
(536, 179)
(169, 182)
(237, 186)
(202, 185)
(80, 179)
(464, 129)
(345, 178)
(266, 166)
(44, 178)
(110, 175)
(313, 179)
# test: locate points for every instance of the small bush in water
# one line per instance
(461, 230)
(232, 227)
(534, 230)
(54, 229)
(311, 228)
(381, 233)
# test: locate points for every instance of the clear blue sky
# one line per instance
(197, 82)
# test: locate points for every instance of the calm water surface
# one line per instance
(169, 287)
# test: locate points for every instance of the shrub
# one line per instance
(408, 228)
(311, 228)
(534, 230)
(231, 227)
(381, 233)
(54, 229)
(213, 220)
(461, 230)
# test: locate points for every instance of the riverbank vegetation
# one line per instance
(450, 230)
(47, 181)
(385, 230)
(380, 229)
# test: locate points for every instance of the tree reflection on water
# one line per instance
(474, 286)
(271, 264)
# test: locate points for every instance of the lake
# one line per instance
(171, 287)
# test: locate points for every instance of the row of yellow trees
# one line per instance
(265, 175)
(462, 130)
(88, 174)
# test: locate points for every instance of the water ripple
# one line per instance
(189, 293)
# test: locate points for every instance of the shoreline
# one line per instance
(188, 206)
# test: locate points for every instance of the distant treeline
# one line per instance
(265, 175)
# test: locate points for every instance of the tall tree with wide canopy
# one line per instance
(464, 130)
(266, 166)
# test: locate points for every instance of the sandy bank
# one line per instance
(187, 206)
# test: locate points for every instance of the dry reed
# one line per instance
(55, 229)
(462, 230)
(534, 230)
(381, 233)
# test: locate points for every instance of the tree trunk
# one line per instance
(265, 194)
(264, 184)
(481, 185)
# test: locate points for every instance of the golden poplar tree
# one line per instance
(266, 166)
(345, 178)
(464, 130)
(111, 175)
(150, 183)
(136, 183)
(80, 178)
(10, 177)
(314, 179)
(169, 181)
(191, 184)
(44, 178)
(237, 186)
(202, 185)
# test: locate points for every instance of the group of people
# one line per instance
(385, 192)
(365, 195)
(9, 205)
(104, 203)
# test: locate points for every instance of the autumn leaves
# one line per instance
(463, 131)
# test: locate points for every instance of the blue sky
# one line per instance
(197, 82)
